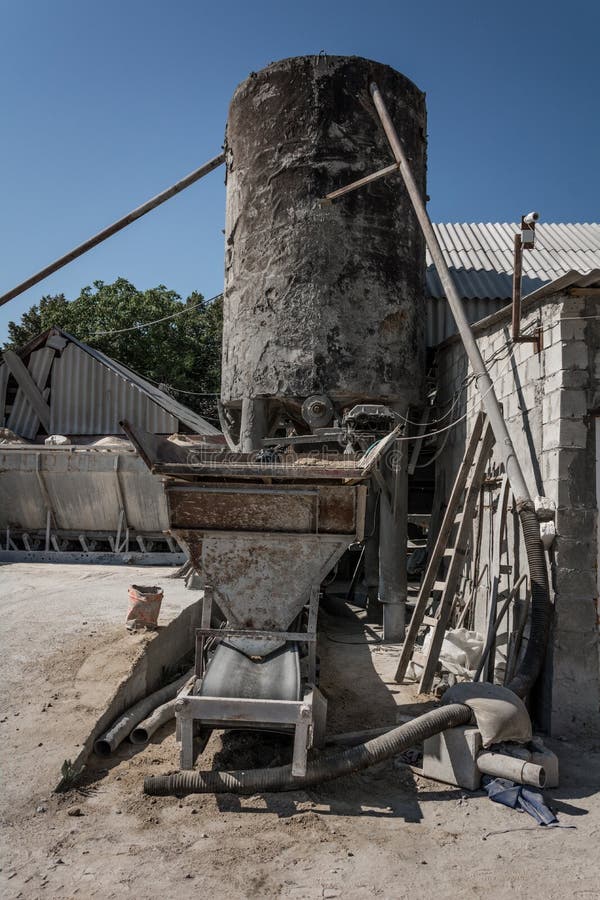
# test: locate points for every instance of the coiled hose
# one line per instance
(398, 739)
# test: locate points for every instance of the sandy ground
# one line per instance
(386, 832)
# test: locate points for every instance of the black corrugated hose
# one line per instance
(541, 607)
(398, 739)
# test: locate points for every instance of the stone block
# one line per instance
(565, 433)
(576, 523)
(575, 355)
(576, 582)
(451, 757)
(575, 554)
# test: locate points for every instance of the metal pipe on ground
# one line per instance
(124, 725)
(142, 733)
(500, 765)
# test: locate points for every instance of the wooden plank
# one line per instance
(28, 386)
(439, 548)
(445, 606)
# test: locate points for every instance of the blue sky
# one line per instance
(105, 103)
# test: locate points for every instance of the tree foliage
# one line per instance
(182, 352)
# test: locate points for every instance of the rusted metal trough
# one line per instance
(263, 533)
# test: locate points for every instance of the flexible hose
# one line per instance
(398, 739)
(541, 607)
(318, 770)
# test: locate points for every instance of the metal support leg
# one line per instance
(253, 427)
(186, 732)
(392, 544)
(371, 576)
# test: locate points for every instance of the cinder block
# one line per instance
(573, 523)
(572, 329)
(576, 582)
(572, 306)
(575, 554)
(553, 358)
(568, 433)
(451, 757)
(575, 355)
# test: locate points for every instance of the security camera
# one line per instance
(531, 218)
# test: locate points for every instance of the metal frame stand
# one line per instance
(199, 715)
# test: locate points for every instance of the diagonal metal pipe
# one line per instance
(484, 382)
(541, 607)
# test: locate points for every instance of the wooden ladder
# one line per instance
(458, 518)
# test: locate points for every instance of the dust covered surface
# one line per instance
(385, 832)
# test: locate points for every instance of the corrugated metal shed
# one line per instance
(89, 393)
(89, 398)
(183, 413)
(480, 257)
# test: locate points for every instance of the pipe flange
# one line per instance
(318, 411)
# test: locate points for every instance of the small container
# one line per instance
(144, 606)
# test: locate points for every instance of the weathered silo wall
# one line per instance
(322, 299)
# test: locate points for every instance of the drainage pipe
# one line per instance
(142, 733)
(500, 765)
(119, 730)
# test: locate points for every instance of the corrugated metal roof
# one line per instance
(195, 422)
(89, 398)
(480, 257)
(90, 393)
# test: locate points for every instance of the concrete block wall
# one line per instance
(548, 400)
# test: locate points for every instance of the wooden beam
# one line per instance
(584, 292)
(28, 386)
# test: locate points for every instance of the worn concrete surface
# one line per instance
(65, 652)
(386, 832)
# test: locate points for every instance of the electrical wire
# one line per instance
(179, 312)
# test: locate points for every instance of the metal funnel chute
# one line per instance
(262, 535)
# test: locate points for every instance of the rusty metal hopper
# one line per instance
(263, 542)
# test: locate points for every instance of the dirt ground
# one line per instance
(386, 832)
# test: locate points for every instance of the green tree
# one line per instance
(181, 353)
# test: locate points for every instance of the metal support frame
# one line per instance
(306, 717)
(517, 337)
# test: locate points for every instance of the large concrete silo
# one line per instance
(323, 300)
